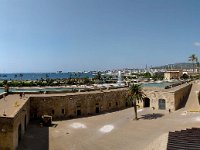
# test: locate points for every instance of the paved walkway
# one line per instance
(111, 131)
(193, 99)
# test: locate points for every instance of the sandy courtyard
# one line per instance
(110, 131)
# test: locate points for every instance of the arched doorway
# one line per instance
(146, 102)
(35, 112)
(78, 112)
(25, 123)
(126, 104)
(19, 133)
(97, 108)
(116, 104)
(161, 104)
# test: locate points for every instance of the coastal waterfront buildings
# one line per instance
(190, 71)
(173, 74)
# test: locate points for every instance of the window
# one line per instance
(161, 104)
(53, 112)
(63, 111)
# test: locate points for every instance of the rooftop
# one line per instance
(174, 89)
(76, 93)
(172, 71)
(11, 104)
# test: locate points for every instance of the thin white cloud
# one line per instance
(197, 44)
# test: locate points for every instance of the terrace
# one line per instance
(11, 104)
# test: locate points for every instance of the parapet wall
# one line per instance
(181, 96)
(20, 123)
(13, 128)
(95, 102)
(174, 98)
(82, 104)
(6, 133)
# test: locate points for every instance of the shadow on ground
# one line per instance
(35, 138)
(151, 116)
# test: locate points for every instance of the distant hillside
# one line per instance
(175, 66)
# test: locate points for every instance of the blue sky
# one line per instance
(78, 35)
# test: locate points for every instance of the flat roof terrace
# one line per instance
(170, 90)
(174, 89)
(11, 104)
(76, 93)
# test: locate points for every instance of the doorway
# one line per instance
(146, 102)
(161, 104)
(126, 104)
(25, 123)
(78, 112)
(19, 133)
(97, 110)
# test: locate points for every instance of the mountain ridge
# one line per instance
(183, 65)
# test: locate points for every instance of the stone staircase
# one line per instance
(188, 139)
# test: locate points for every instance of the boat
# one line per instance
(158, 81)
(47, 76)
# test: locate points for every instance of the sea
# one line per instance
(38, 76)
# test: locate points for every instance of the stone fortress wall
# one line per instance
(181, 95)
(172, 99)
(92, 103)
(13, 128)
(75, 105)
(71, 105)
(6, 133)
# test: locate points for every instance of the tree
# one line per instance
(193, 58)
(198, 65)
(184, 76)
(86, 80)
(98, 76)
(6, 86)
(147, 75)
(158, 76)
(5, 82)
(135, 93)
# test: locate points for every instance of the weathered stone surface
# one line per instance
(9, 127)
(71, 105)
(80, 104)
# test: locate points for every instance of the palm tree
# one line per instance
(198, 65)
(135, 93)
(193, 58)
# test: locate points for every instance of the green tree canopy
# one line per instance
(135, 93)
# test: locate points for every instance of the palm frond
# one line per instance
(135, 92)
